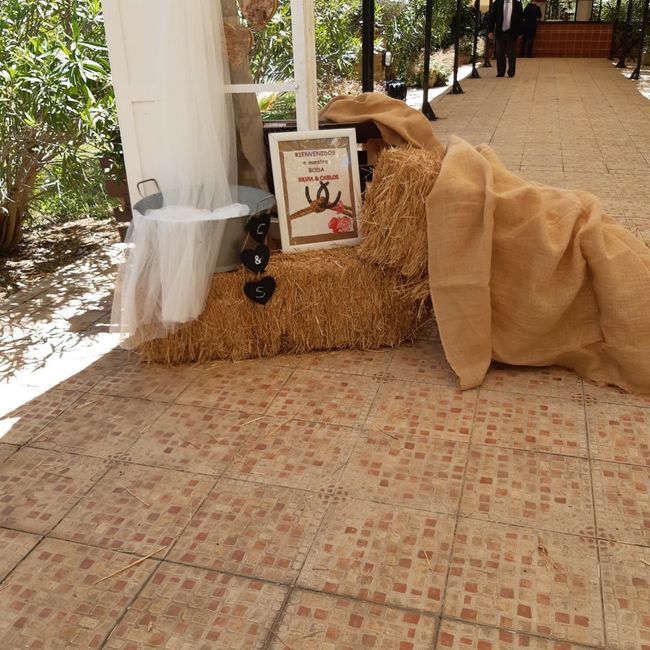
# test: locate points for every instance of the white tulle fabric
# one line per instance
(171, 253)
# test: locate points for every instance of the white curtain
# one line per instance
(171, 252)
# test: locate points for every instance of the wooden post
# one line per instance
(304, 55)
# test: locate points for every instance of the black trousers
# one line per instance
(505, 45)
(527, 41)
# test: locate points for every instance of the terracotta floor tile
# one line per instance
(414, 471)
(526, 580)
(33, 410)
(351, 362)
(622, 500)
(422, 361)
(51, 603)
(423, 409)
(15, 545)
(113, 515)
(6, 451)
(619, 433)
(38, 487)
(612, 395)
(625, 574)
(186, 607)
(318, 622)
(325, 397)
(465, 636)
(93, 373)
(297, 454)
(530, 422)
(99, 425)
(529, 489)
(547, 382)
(137, 380)
(261, 531)
(381, 553)
(248, 387)
(194, 438)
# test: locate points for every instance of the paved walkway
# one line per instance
(344, 500)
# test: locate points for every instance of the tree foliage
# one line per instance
(56, 102)
(337, 35)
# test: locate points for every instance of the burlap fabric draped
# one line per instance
(520, 272)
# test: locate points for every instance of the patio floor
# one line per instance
(341, 500)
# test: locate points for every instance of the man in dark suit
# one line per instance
(532, 13)
(504, 25)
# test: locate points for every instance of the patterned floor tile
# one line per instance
(107, 364)
(619, 433)
(546, 382)
(325, 397)
(625, 572)
(15, 545)
(38, 487)
(26, 410)
(465, 636)
(423, 409)
(316, 622)
(423, 361)
(612, 395)
(622, 501)
(186, 607)
(297, 454)
(99, 425)
(254, 530)
(51, 601)
(526, 580)
(530, 422)
(6, 451)
(381, 554)
(411, 471)
(530, 489)
(350, 362)
(195, 439)
(248, 386)
(134, 509)
(136, 380)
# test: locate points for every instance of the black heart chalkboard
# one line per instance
(256, 260)
(261, 291)
(258, 227)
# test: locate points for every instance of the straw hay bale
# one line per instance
(324, 300)
(394, 214)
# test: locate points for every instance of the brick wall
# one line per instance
(573, 39)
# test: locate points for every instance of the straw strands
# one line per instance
(394, 218)
(324, 300)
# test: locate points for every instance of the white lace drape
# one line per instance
(171, 253)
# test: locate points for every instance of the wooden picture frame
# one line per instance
(317, 188)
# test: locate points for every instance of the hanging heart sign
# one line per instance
(258, 227)
(256, 260)
(260, 292)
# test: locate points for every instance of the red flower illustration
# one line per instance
(340, 224)
(345, 224)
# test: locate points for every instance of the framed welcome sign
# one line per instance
(318, 194)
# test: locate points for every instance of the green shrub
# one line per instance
(56, 106)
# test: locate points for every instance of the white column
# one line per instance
(304, 56)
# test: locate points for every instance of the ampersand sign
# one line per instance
(256, 260)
